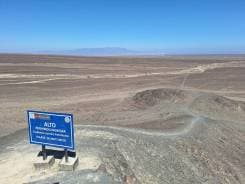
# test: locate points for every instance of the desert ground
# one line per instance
(171, 119)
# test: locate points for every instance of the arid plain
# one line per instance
(171, 119)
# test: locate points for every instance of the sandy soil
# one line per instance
(192, 106)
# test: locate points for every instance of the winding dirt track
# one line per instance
(145, 132)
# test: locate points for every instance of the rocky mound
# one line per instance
(218, 107)
(192, 103)
(152, 97)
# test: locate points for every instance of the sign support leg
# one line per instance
(44, 153)
(66, 155)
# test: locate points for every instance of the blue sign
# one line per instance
(51, 129)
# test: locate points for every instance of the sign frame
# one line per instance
(55, 114)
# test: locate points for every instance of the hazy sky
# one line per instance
(171, 25)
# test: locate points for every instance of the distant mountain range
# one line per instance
(105, 51)
(118, 51)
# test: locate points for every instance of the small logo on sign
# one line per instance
(41, 116)
(67, 119)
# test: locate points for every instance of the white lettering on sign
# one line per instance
(50, 125)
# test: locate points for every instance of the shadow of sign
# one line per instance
(58, 154)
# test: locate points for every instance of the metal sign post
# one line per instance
(66, 155)
(44, 153)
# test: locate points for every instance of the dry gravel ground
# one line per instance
(138, 120)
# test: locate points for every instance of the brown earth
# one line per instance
(165, 120)
(88, 87)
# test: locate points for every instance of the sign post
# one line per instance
(66, 155)
(44, 152)
(51, 129)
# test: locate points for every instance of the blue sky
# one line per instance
(177, 26)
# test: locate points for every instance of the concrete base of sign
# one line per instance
(39, 163)
(70, 165)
